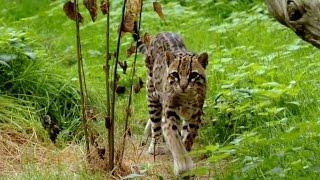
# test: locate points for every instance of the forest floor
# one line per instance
(25, 157)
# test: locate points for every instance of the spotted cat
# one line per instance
(176, 89)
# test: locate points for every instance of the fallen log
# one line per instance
(301, 16)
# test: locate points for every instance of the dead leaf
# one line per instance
(91, 5)
(110, 56)
(139, 86)
(120, 89)
(133, 8)
(128, 24)
(158, 9)
(90, 113)
(131, 50)
(52, 127)
(101, 152)
(124, 66)
(105, 6)
(146, 39)
(69, 10)
(129, 132)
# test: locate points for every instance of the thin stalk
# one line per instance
(107, 67)
(111, 134)
(85, 92)
(81, 80)
(107, 71)
(84, 83)
(128, 112)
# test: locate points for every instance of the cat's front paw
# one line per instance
(183, 165)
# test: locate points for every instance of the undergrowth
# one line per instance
(26, 74)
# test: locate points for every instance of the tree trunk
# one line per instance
(302, 16)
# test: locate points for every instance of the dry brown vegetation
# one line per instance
(20, 149)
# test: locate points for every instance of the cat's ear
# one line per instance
(169, 57)
(203, 59)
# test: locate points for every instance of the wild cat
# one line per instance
(176, 89)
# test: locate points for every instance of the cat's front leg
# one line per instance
(190, 129)
(182, 162)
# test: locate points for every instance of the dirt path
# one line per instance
(139, 161)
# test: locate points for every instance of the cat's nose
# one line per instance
(183, 87)
(183, 84)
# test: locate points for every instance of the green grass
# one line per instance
(20, 116)
(27, 73)
(262, 105)
(18, 9)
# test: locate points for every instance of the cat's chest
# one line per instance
(185, 105)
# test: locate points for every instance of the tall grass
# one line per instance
(26, 73)
(18, 115)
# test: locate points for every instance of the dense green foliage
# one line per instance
(262, 108)
(26, 73)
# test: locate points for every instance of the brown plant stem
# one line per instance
(111, 129)
(107, 66)
(128, 110)
(107, 73)
(81, 78)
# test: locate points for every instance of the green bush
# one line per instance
(26, 74)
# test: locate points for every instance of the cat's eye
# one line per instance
(175, 75)
(193, 75)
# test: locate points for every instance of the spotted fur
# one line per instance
(176, 91)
